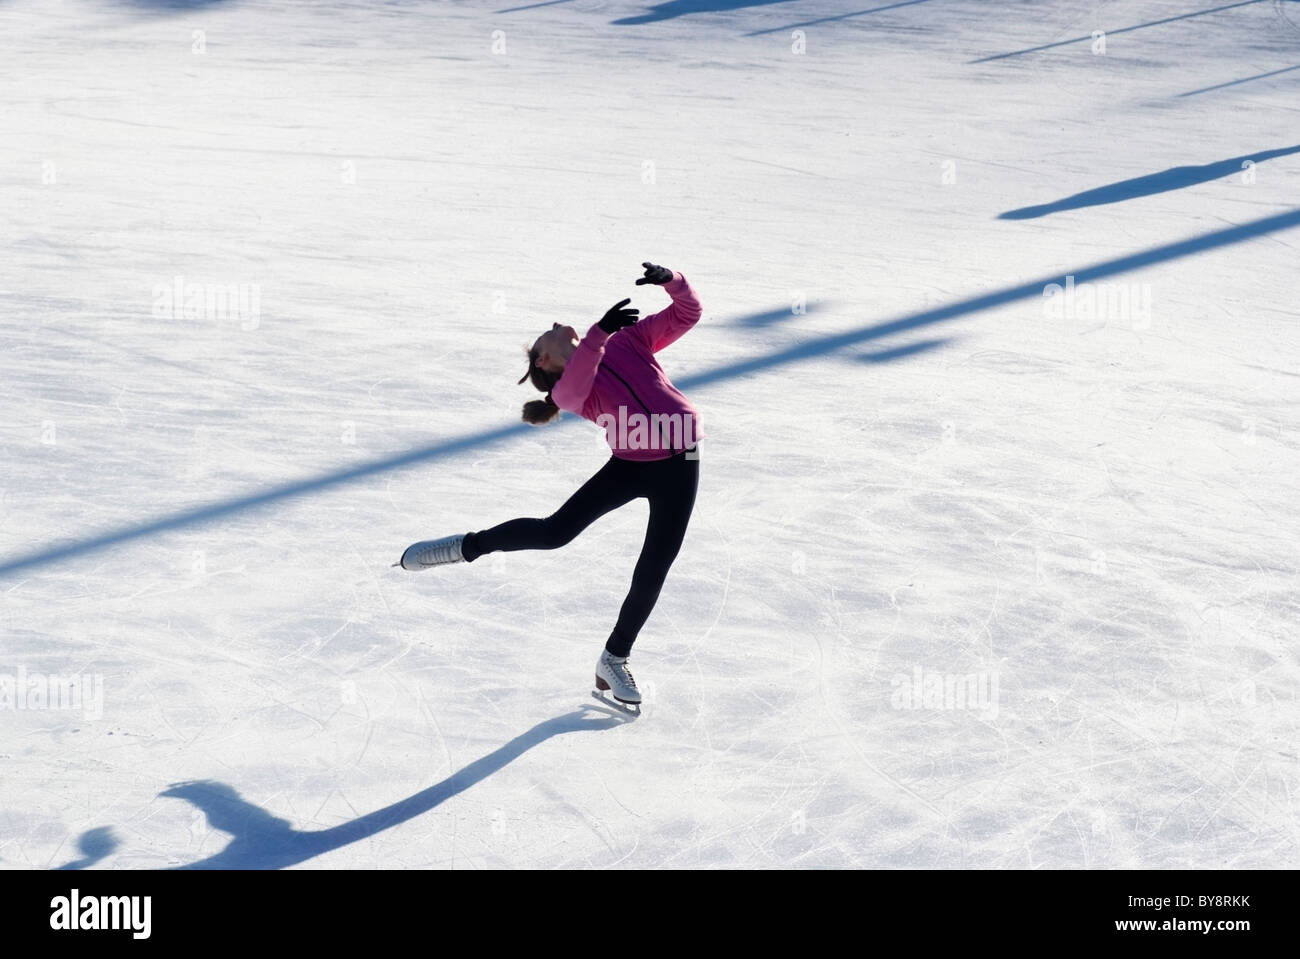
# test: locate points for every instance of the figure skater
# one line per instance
(610, 377)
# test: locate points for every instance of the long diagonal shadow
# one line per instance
(1118, 30)
(1233, 83)
(1033, 289)
(530, 6)
(819, 346)
(838, 16)
(262, 841)
(680, 8)
(1175, 178)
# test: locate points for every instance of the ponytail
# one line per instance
(540, 412)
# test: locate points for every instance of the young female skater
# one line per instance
(612, 378)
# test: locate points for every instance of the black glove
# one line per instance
(618, 316)
(658, 275)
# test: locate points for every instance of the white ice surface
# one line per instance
(1101, 514)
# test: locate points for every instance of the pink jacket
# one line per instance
(615, 382)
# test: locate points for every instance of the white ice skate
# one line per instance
(613, 677)
(433, 552)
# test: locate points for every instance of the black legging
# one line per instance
(669, 484)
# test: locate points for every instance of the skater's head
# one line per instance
(546, 359)
(553, 348)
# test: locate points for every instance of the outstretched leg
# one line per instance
(672, 498)
(611, 487)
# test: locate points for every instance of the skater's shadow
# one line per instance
(261, 841)
(94, 844)
(1175, 178)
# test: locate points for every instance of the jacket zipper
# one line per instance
(612, 372)
(606, 366)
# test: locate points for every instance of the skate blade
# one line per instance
(627, 709)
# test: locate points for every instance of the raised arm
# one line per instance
(666, 327)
